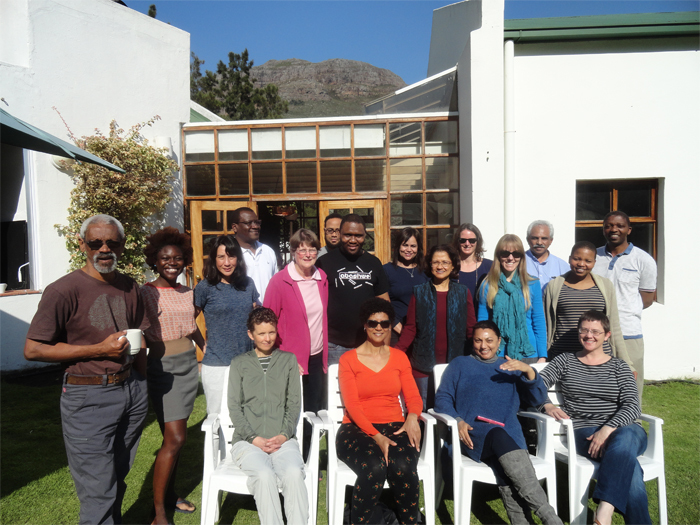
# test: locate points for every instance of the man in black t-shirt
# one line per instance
(353, 277)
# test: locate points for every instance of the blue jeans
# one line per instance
(620, 478)
(335, 352)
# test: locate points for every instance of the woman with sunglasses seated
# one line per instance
(375, 439)
(440, 319)
(513, 300)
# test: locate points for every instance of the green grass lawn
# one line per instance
(36, 487)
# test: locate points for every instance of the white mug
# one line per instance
(3, 287)
(134, 337)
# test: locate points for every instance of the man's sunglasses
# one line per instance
(462, 240)
(373, 324)
(98, 243)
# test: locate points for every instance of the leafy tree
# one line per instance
(136, 198)
(152, 10)
(231, 92)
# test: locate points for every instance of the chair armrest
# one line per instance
(312, 461)
(326, 420)
(427, 446)
(210, 426)
(442, 418)
(211, 423)
(546, 429)
(655, 440)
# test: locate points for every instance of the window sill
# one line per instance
(12, 293)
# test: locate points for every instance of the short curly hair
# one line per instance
(259, 316)
(376, 305)
(167, 236)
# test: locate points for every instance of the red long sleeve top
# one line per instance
(373, 397)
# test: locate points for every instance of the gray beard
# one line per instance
(101, 269)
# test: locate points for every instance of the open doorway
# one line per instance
(281, 219)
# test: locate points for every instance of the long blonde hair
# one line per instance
(511, 243)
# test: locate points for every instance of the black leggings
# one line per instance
(362, 454)
(496, 443)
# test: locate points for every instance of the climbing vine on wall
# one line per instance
(136, 198)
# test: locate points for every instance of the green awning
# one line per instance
(16, 132)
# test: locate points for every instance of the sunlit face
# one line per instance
(264, 336)
(582, 262)
(616, 230)
(352, 237)
(248, 227)
(539, 240)
(509, 258)
(377, 334)
(467, 242)
(594, 335)
(170, 263)
(441, 266)
(103, 246)
(408, 250)
(485, 343)
(332, 232)
(225, 263)
(305, 256)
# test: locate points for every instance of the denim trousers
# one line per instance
(620, 478)
(335, 352)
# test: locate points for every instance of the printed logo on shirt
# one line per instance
(355, 278)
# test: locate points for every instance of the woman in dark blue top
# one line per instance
(473, 267)
(404, 272)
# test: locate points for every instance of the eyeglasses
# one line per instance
(440, 264)
(304, 253)
(504, 254)
(251, 223)
(374, 324)
(462, 240)
(99, 243)
(331, 231)
(594, 333)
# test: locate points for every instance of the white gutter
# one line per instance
(509, 137)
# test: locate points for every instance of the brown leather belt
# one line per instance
(106, 379)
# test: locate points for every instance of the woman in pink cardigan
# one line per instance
(299, 296)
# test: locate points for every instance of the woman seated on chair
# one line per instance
(264, 401)
(375, 440)
(483, 392)
(600, 395)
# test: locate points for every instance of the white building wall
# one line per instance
(95, 61)
(617, 110)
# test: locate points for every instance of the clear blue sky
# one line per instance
(391, 34)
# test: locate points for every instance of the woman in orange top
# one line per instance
(375, 440)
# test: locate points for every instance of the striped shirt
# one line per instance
(571, 304)
(265, 362)
(595, 395)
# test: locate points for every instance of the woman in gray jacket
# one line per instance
(568, 296)
(264, 401)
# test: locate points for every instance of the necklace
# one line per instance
(410, 270)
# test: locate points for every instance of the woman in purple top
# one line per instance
(469, 244)
(404, 272)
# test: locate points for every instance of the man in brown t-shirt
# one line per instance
(80, 322)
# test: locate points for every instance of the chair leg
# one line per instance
(552, 490)
(338, 505)
(578, 501)
(428, 498)
(663, 510)
(463, 501)
(210, 507)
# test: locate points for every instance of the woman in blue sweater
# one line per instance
(482, 392)
(513, 300)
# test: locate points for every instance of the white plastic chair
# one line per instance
(466, 471)
(222, 475)
(583, 470)
(339, 475)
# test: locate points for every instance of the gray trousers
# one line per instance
(635, 349)
(101, 431)
(267, 472)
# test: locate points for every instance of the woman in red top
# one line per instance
(375, 440)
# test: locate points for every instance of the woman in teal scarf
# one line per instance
(513, 300)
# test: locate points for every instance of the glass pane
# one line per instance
(301, 177)
(370, 175)
(199, 146)
(407, 210)
(233, 179)
(592, 201)
(370, 140)
(642, 236)
(441, 137)
(300, 143)
(334, 141)
(592, 234)
(441, 208)
(406, 174)
(635, 201)
(200, 180)
(368, 245)
(233, 144)
(405, 139)
(206, 243)
(436, 237)
(336, 176)
(340, 211)
(267, 178)
(212, 221)
(367, 215)
(442, 173)
(267, 144)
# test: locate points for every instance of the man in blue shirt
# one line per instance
(541, 263)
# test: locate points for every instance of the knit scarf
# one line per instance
(509, 316)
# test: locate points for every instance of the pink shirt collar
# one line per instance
(296, 276)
